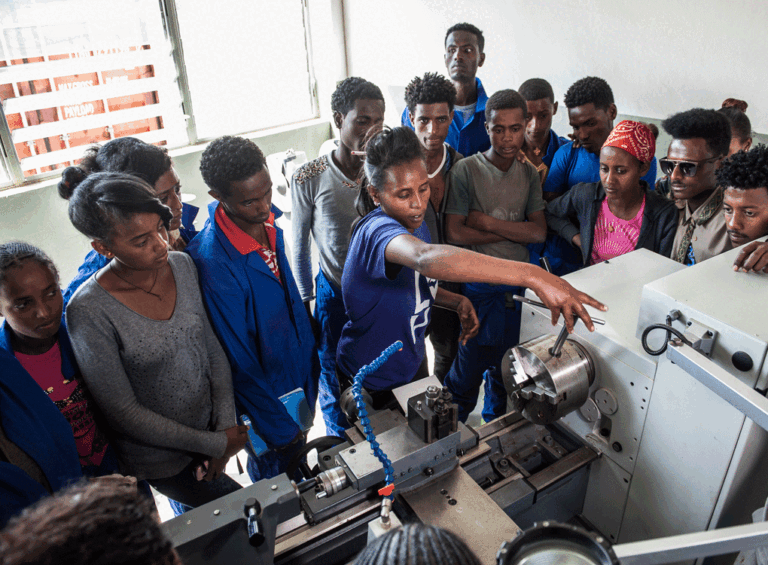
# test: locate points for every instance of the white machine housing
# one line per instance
(676, 458)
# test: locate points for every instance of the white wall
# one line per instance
(659, 56)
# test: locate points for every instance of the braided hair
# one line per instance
(15, 253)
(417, 544)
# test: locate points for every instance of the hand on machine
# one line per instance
(550, 376)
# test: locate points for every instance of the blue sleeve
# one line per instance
(92, 263)
(227, 305)
(17, 491)
(650, 176)
(405, 119)
(375, 237)
(557, 178)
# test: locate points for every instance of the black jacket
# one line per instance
(583, 201)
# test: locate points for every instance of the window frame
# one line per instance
(10, 161)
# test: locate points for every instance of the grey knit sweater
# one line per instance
(161, 385)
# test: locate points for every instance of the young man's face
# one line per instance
(353, 127)
(249, 201)
(431, 123)
(540, 114)
(693, 151)
(746, 214)
(463, 56)
(506, 128)
(591, 125)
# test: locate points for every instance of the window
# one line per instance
(246, 64)
(78, 72)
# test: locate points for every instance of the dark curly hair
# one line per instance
(99, 201)
(384, 149)
(15, 253)
(471, 29)
(589, 90)
(536, 89)
(92, 523)
(734, 110)
(505, 100)
(350, 90)
(230, 159)
(432, 88)
(125, 155)
(745, 170)
(710, 125)
(417, 544)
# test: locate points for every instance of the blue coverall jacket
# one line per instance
(263, 327)
(31, 421)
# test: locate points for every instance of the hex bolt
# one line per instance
(616, 447)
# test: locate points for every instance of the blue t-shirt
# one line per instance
(555, 143)
(465, 136)
(382, 310)
(572, 166)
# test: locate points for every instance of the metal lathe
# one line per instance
(642, 435)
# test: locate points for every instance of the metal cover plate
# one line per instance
(474, 517)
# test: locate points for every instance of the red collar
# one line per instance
(243, 242)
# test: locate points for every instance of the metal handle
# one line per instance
(554, 351)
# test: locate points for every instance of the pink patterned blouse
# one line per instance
(614, 236)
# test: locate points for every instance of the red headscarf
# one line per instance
(635, 138)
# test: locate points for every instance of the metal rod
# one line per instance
(692, 546)
(554, 351)
(742, 397)
(530, 302)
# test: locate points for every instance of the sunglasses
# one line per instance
(687, 168)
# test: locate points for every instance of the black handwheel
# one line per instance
(321, 444)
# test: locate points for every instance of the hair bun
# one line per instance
(70, 178)
(654, 130)
(735, 103)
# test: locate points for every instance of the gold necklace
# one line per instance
(154, 282)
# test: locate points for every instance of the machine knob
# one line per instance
(433, 393)
(252, 509)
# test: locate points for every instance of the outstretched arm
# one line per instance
(448, 263)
